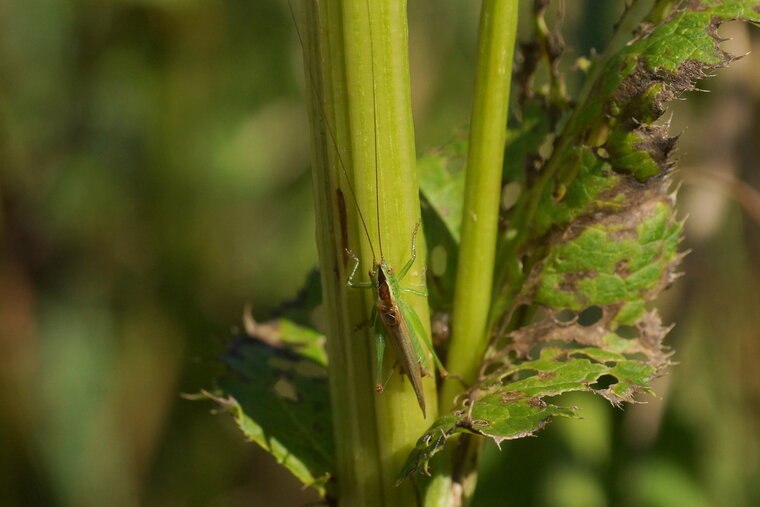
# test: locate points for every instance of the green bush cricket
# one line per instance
(398, 322)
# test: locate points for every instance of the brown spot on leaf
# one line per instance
(570, 280)
(546, 375)
(622, 270)
(537, 403)
(695, 5)
(655, 141)
(634, 85)
(634, 108)
(510, 396)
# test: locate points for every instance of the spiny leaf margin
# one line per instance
(276, 391)
(612, 238)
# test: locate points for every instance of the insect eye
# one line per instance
(372, 273)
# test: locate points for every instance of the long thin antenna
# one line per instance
(323, 113)
(374, 121)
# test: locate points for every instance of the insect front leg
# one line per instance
(410, 262)
(409, 265)
(350, 282)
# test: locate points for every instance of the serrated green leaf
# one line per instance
(595, 230)
(278, 394)
(501, 408)
(631, 92)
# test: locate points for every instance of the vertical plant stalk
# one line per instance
(485, 157)
(350, 376)
(456, 469)
(384, 170)
(357, 61)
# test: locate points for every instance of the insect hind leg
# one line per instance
(379, 388)
(380, 350)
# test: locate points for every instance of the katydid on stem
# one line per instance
(398, 322)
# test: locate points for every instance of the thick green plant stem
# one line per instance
(472, 299)
(349, 364)
(384, 170)
(455, 471)
(365, 171)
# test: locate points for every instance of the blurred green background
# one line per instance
(154, 178)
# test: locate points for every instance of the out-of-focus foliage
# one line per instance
(277, 392)
(153, 179)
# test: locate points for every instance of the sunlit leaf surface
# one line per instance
(277, 392)
(591, 242)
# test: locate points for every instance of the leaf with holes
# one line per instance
(508, 403)
(591, 241)
(277, 392)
